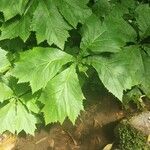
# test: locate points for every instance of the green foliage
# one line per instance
(17, 118)
(12, 8)
(5, 92)
(43, 65)
(97, 38)
(143, 19)
(4, 64)
(47, 44)
(62, 98)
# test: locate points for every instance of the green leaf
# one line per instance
(12, 8)
(113, 76)
(102, 8)
(143, 19)
(43, 65)
(133, 95)
(24, 120)
(49, 24)
(134, 64)
(19, 28)
(12, 45)
(4, 63)
(74, 11)
(31, 102)
(18, 107)
(118, 28)
(147, 48)
(5, 92)
(15, 118)
(96, 37)
(121, 7)
(32, 106)
(130, 4)
(62, 97)
(19, 89)
(146, 76)
(118, 73)
(23, 92)
(7, 117)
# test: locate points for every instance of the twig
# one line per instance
(41, 140)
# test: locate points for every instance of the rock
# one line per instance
(141, 122)
(132, 133)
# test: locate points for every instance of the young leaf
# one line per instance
(97, 38)
(143, 19)
(74, 11)
(62, 97)
(15, 118)
(43, 65)
(4, 63)
(5, 92)
(12, 8)
(49, 24)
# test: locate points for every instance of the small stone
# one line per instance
(141, 122)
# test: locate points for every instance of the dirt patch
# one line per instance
(92, 131)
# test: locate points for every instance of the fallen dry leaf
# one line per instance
(108, 147)
(148, 139)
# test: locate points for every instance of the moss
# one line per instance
(128, 138)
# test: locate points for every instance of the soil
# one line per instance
(93, 129)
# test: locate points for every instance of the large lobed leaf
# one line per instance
(49, 24)
(39, 65)
(96, 37)
(62, 97)
(108, 36)
(121, 71)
